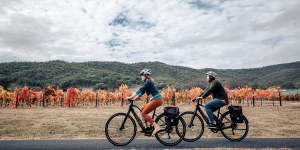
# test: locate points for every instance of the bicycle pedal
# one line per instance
(148, 134)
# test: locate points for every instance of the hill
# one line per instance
(109, 75)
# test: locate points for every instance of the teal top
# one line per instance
(150, 89)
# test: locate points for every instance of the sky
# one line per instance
(222, 34)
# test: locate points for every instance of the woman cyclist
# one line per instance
(156, 100)
(219, 94)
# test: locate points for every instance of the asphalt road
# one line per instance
(90, 144)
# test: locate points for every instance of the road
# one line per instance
(90, 144)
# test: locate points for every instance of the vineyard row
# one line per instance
(74, 97)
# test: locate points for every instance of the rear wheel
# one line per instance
(233, 131)
(116, 133)
(170, 135)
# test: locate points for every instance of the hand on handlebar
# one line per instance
(129, 98)
(197, 98)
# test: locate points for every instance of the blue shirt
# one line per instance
(149, 88)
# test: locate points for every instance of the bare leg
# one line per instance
(156, 128)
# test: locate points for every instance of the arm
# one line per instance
(134, 96)
(140, 92)
(205, 90)
(209, 90)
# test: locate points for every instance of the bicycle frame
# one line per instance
(131, 110)
(202, 114)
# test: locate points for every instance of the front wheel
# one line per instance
(194, 126)
(170, 135)
(231, 130)
(120, 130)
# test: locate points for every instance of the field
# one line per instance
(81, 123)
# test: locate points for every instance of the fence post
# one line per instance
(122, 102)
(61, 102)
(43, 100)
(280, 99)
(173, 98)
(253, 103)
(17, 103)
(96, 100)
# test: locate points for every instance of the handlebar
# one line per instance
(197, 98)
(193, 100)
(131, 100)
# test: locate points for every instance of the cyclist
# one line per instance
(219, 94)
(156, 100)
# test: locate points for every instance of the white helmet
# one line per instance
(145, 72)
(211, 73)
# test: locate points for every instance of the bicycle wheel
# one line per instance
(195, 129)
(170, 135)
(233, 131)
(118, 135)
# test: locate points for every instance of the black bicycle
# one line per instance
(120, 128)
(230, 128)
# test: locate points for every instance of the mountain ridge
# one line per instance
(109, 75)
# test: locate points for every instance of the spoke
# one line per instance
(240, 129)
(190, 124)
(163, 121)
(228, 127)
(228, 119)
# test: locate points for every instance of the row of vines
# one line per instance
(73, 97)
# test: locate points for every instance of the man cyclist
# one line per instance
(219, 94)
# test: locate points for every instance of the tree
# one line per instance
(288, 85)
(5, 82)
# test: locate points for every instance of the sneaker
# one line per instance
(156, 130)
(211, 125)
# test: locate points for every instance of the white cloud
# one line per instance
(194, 33)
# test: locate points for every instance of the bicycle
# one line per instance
(229, 129)
(120, 128)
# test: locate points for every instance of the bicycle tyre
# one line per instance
(233, 125)
(201, 127)
(108, 127)
(164, 126)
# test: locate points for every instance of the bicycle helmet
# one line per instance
(211, 73)
(145, 72)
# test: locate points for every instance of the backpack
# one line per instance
(236, 114)
(171, 116)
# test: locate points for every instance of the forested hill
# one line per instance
(109, 75)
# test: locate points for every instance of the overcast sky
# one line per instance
(194, 33)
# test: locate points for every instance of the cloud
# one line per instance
(30, 38)
(194, 33)
(6, 5)
(25, 33)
